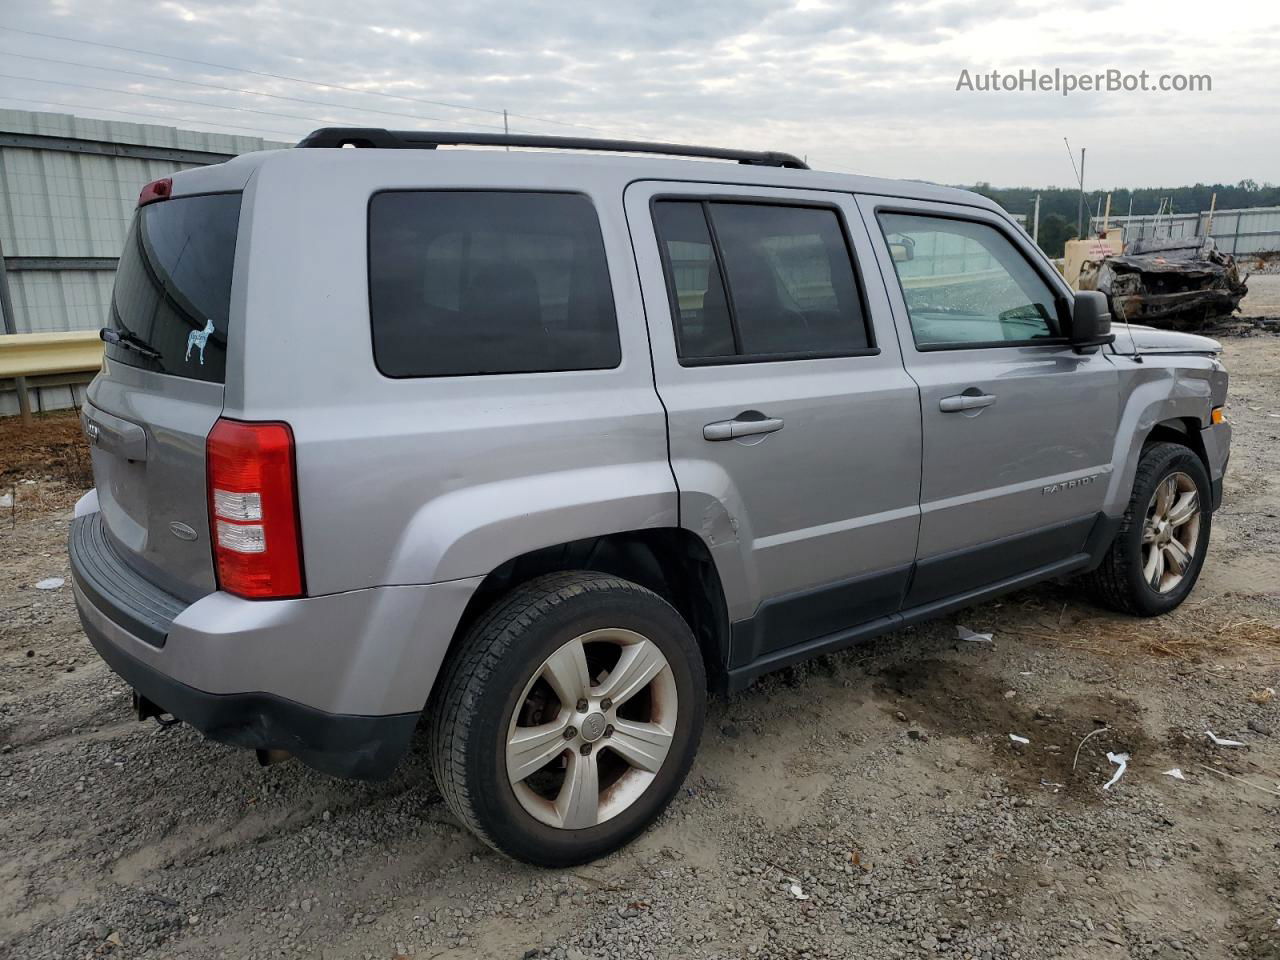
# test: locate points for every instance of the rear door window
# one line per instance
(484, 282)
(759, 281)
(172, 295)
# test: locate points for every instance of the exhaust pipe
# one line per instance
(267, 757)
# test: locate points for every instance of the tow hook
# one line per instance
(144, 709)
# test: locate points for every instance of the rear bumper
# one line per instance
(366, 748)
(339, 681)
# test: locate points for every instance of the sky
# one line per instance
(856, 86)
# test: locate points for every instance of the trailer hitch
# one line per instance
(144, 709)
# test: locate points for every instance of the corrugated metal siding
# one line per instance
(1237, 232)
(59, 203)
(53, 301)
(69, 204)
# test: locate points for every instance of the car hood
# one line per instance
(1151, 340)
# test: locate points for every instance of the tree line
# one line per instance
(1058, 205)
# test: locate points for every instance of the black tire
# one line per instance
(475, 699)
(1118, 583)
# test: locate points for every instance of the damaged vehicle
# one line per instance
(540, 449)
(1175, 284)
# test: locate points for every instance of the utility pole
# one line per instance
(506, 132)
(1035, 222)
(1080, 213)
(1080, 179)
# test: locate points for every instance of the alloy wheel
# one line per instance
(1171, 532)
(591, 728)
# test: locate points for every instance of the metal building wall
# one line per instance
(68, 187)
(1240, 232)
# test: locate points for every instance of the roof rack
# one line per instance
(430, 139)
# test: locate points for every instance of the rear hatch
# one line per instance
(161, 387)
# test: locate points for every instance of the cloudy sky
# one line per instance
(864, 86)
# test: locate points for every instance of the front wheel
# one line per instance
(569, 717)
(1159, 550)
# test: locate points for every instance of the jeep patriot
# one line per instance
(540, 447)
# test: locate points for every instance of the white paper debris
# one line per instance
(6, 499)
(796, 890)
(964, 633)
(1218, 741)
(1017, 739)
(1176, 773)
(50, 583)
(1122, 761)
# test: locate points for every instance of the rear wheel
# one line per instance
(1159, 550)
(569, 717)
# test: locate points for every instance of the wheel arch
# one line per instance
(1181, 430)
(672, 562)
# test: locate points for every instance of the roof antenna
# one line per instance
(1137, 356)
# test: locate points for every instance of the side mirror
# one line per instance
(1090, 319)
(903, 250)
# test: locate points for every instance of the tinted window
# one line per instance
(790, 281)
(966, 283)
(703, 326)
(173, 287)
(473, 282)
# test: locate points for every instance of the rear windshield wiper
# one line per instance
(130, 341)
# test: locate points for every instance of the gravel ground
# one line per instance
(871, 804)
(1263, 298)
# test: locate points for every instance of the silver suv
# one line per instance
(540, 447)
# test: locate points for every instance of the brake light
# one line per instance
(253, 514)
(160, 189)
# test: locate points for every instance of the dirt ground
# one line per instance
(871, 804)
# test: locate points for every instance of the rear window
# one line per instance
(483, 282)
(173, 287)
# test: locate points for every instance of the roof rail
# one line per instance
(430, 139)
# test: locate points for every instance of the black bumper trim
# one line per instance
(344, 745)
(1215, 492)
(115, 588)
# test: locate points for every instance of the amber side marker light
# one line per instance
(1218, 416)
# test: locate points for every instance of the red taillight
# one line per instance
(253, 514)
(156, 190)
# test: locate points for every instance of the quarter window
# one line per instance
(482, 282)
(965, 283)
(759, 281)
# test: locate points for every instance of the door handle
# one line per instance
(965, 401)
(733, 429)
(113, 434)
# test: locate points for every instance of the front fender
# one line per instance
(1154, 392)
(471, 531)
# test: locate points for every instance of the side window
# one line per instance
(479, 282)
(759, 281)
(965, 283)
(703, 327)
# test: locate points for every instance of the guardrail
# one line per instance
(42, 354)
